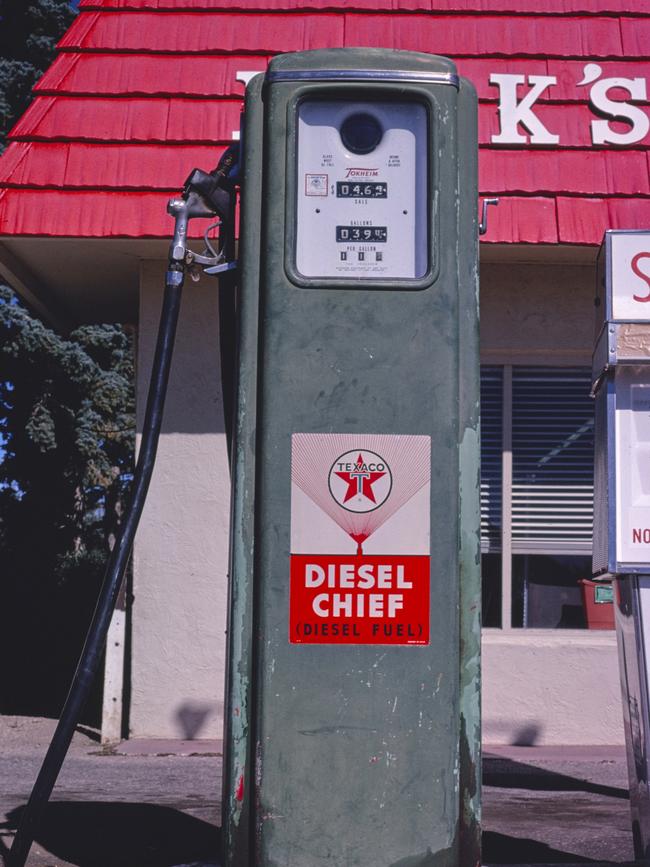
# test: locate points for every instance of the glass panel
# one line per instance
(361, 190)
(491, 581)
(546, 593)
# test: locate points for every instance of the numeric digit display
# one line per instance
(371, 190)
(362, 234)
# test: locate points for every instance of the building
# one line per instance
(143, 90)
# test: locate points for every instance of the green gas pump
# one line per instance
(353, 730)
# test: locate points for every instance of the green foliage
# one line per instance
(67, 419)
(29, 31)
(66, 438)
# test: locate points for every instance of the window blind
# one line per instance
(552, 460)
(491, 463)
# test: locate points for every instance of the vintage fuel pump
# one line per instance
(353, 727)
(352, 706)
(621, 373)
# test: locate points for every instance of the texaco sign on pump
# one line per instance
(360, 539)
(352, 703)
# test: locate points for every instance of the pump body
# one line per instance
(353, 730)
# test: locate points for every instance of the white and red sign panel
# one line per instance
(630, 275)
(633, 464)
(360, 544)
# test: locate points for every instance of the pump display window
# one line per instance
(536, 495)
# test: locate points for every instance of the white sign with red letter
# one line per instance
(630, 276)
(633, 464)
(360, 539)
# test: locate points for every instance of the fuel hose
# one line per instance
(91, 654)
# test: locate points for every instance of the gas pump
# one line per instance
(352, 705)
(352, 696)
(621, 373)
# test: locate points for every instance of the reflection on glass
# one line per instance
(545, 590)
(491, 583)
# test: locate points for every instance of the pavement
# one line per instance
(156, 803)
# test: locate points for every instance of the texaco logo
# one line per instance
(360, 480)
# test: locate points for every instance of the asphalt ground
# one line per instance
(156, 803)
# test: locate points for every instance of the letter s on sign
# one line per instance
(601, 131)
(634, 264)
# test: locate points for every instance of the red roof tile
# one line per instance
(73, 165)
(129, 120)
(148, 74)
(143, 90)
(216, 75)
(455, 34)
(529, 220)
(549, 6)
(481, 35)
(88, 214)
(582, 220)
(635, 34)
(572, 171)
(207, 33)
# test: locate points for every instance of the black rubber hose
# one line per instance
(91, 654)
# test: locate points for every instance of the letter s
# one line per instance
(601, 131)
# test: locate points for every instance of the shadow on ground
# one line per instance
(106, 834)
(504, 849)
(110, 834)
(144, 835)
(508, 774)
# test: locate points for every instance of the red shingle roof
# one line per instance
(143, 90)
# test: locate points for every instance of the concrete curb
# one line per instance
(168, 747)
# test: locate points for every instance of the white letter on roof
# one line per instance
(513, 113)
(245, 75)
(601, 132)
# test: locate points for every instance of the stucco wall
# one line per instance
(180, 558)
(541, 313)
(551, 687)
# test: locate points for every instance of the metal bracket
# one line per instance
(483, 225)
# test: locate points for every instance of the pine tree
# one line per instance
(29, 31)
(67, 425)
(66, 437)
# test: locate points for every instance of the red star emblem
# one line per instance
(360, 482)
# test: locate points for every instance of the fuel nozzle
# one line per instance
(207, 195)
(215, 188)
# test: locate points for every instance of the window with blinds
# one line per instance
(537, 430)
(552, 460)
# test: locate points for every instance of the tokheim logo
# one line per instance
(361, 173)
(360, 480)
